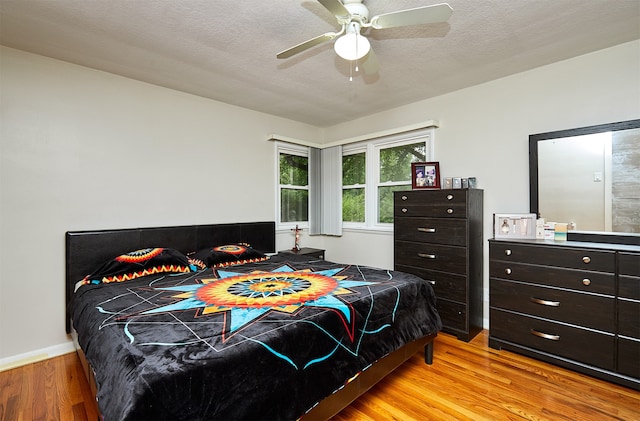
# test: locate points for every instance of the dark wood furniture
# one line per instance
(85, 248)
(306, 251)
(574, 304)
(438, 236)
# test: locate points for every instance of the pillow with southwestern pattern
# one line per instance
(226, 255)
(139, 263)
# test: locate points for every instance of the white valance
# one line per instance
(346, 141)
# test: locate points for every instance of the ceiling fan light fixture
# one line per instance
(352, 46)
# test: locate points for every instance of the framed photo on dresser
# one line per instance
(425, 175)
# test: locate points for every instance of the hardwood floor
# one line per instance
(467, 381)
(470, 381)
(54, 389)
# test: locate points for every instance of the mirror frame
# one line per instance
(612, 237)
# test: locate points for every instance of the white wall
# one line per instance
(82, 149)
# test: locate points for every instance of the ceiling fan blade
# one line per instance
(370, 64)
(335, 7)
(306, 45)
(419, 15)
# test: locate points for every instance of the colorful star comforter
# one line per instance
(261, 341)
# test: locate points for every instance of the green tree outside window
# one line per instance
(294, 188)
(395, 175)
(353, 183)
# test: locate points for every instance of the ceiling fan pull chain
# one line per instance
(356, 60)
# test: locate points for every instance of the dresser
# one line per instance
(438, 237)
(574, 304)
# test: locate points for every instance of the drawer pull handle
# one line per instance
(449, 211)
(586, 259)
(507, 271)
(545, 302)
(545, 335)
(449, 197)
(427, 256)
(586, 281)
(507, 252)
(405, 210)
(404, 197)
(426, 229)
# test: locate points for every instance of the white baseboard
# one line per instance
(35, 356)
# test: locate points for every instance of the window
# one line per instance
(372, 171)
(394, 172)
(353, 184)
(293, 184)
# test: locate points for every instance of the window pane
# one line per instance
(395, 163)
(353, 205)
(353, 169)
(385, 202)
(294, 170)
(294, 205)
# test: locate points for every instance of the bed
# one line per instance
(264, 336)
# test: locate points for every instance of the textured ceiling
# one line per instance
(226, 50)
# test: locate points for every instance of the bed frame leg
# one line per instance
(428, 353)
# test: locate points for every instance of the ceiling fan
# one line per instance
(353, 17)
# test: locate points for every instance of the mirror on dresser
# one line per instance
(589, 177)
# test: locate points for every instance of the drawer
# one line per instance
(431, 256)
(629, 318)
(579, 280)
(555, 304)
(431, 230)
(446, 285)
(453, 314)
(629, 296)
(567, 257)
(629, 264)
(439, 204)
(629, 287)
(628, 361)
(582, 345)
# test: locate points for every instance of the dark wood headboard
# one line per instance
(85, 250)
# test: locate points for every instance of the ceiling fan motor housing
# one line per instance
(357, 10)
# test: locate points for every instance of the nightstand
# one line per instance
(306, 251)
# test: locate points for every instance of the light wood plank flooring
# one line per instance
(467, 381)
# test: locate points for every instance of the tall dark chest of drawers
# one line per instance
(574, 304)
(438, 236)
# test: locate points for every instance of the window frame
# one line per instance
(372, 148)
(291, 149)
